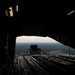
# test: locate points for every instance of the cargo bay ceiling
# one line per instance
(40, 18)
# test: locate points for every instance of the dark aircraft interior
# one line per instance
(55, 19)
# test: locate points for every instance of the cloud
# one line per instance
(23, 39)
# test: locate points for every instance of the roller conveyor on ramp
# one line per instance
(41, 65)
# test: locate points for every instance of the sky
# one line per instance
(34, 39)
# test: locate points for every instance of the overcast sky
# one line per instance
(34, 39)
